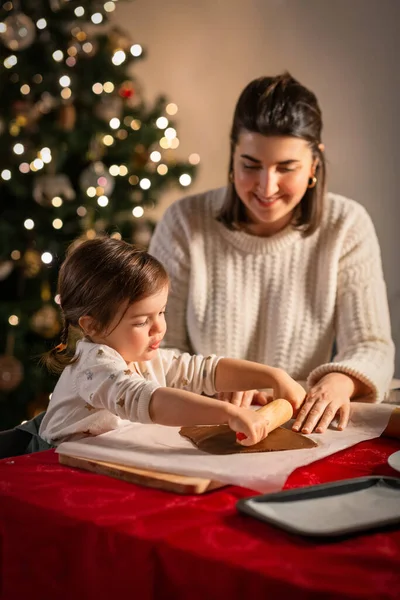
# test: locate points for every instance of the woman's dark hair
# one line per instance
(96, 278)
(278, 106)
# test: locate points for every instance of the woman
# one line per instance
(274, 269)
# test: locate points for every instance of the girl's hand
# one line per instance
(327, 398)
(251, 423)
(245, 399)
(288, 388)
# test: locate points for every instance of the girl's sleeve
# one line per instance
(105, 382)
(194, 373)
(169, 245)
(365, 349)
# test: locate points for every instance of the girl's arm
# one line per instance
(181, 408)
(235, 375)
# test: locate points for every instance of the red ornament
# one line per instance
(126, 90)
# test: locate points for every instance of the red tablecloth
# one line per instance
(67, 534)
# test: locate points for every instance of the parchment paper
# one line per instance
(161, 448)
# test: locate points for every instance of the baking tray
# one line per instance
(333, 509)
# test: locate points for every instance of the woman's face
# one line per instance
(271, 176)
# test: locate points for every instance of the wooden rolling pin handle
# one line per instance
(276, 412)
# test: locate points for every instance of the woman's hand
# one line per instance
(327, 398)
(245, 399)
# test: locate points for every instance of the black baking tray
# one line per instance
(341, 508)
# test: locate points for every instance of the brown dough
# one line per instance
(220, 439)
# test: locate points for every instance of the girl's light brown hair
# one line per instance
(274, 106)
(97, 277)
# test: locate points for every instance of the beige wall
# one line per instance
(201, 53)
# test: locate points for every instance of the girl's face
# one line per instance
(271, 176)
(138, 334)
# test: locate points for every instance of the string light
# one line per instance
(185, 179)
(102, 201)
(133, 179)
(71, 61)
(136, 50)
(194, 159)
(118, 57)
(57, 223)
(45, 155)
(108, 87)
(41, 24)
(145, 183)
(29, 224)
(108, 140)
(109, 6)
(174, 143)
(87, 47)
(25, 89)
(96, 18)
(15, 254)
(155, 156)
(79, 11)
(47, 258)
(114, 170)
(58, 55)
(136, 124)
(3, 27)
(171, 108)
(13, 320)
(66, 93)
(81, 211)
(18, 149)
(138, 212)
(24, 167)
(38, 163)
(65, 81)
(170, 133)
(10, 61)
(6, 174)
(162, 169)
(115, 123)
(123, 170)
(162, 122)
(91, 191)
(165, 143)
(97, 88)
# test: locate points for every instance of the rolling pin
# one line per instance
(276, 412)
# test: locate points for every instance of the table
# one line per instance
(69, 534)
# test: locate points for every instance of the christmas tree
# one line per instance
(81, 152)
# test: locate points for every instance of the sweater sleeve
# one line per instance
(105, 382)
(194, 373)
(365, 349)
(169, 245)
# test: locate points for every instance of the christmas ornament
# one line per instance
(46, 187)
(19, 31)
(108, 107)
(6, 266)
(96, 175)
(11, 373)
(126, 90)
(31, 263)
(45, 321)
(67, 117)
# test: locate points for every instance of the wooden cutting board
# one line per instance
(180, 484)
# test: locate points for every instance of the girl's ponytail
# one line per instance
(62, 355)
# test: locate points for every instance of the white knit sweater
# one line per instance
(281, 300)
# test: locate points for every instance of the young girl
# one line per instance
(116, 295)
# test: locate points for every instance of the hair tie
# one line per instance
(61, 347)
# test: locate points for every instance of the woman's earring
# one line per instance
(312, 182)
(231, 177)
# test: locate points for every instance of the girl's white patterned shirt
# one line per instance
(101, 392)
